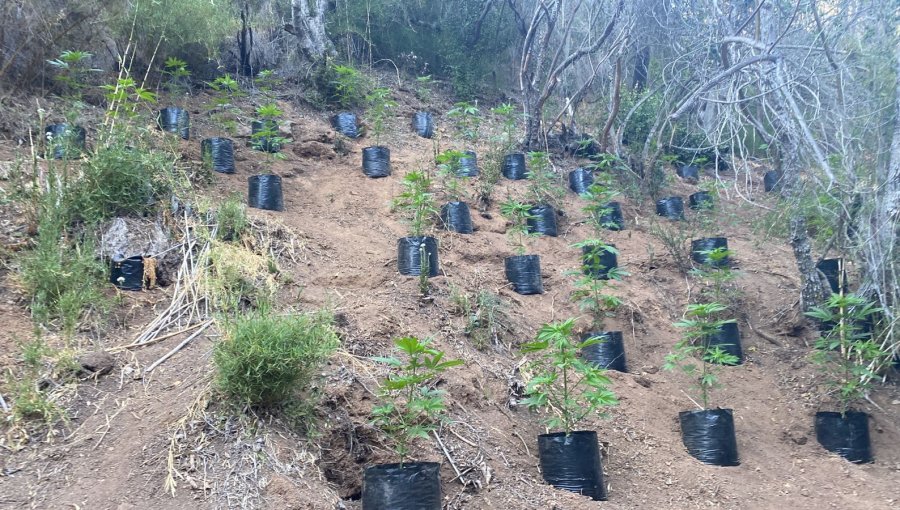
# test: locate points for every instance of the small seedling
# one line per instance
(409, 407)
(268, 138)
(177, 73)
(564, 384)
(467, 120)
(698, 325)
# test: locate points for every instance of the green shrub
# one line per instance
(345, 86)
(267, 359)
(232, 219)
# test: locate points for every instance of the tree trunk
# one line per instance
(308, 25)
(641, 64)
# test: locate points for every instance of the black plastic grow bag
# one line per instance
(834, 272)
(265, 192)
(728, 338)
(596, 261)
(409, 486)
(608, 353)
(671, 208)
(65, 141)
(220, 152)
(524, 272)
(175, 120)
(456, 218)
(700, 247)
(846, 435)
(514, 166)
(423, 124)
(262, 142)
(688, 172)
(409, 255)
(771, 180)
(700, 200)
(376, 161)
(542, 220)
(345, 124)
(127, 274)
(572, 462)
(709, 436)
(468, 165)
(580, 180)
(612, 219)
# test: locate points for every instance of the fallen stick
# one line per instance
(153, 340)
(178, 347)
(450, 459)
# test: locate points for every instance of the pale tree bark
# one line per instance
(308, 25)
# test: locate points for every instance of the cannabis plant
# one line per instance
(591, 293)
(416, 202)
(847, 352)
(518, 214)
(699, 324)
(570, 388)
(597, 198)
(380, 105)
(467, 120)
(409, 407)
(268, 138)
(448, 163)
(543, 183)
(717, 275)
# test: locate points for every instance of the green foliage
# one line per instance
(467, 120)
(484, 315)
(698, 325)
(223, 109)
(416, 202)
(237, 279)
(563, 383)
(380, 104)
(125, 97)
(641, 121)
(507, 138)
(409, 408)
(232, 218)
(268, 139)
(597, 198)
(718, 277)
(591, 292)
(177, 75)
(448, 163)
(266, 359)
(423, 88)
(73, 71)
(847, 353)
(346, 86)
(518, 214)
(499, 146)
(543, 184)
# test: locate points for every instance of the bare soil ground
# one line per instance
(125, 432)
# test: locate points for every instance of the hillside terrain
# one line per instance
(163, 439)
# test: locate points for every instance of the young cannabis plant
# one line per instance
(416, 202)
(518, 214)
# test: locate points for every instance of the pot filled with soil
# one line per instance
(408, 486)
(376, 161)
(542, 220)
(701, 200)
(175, 120)
(572, 462)
(65, 141)
(264, 192)
(417, 255)
(346, 124)
(468, 165)
(423, 124)
(701, 248)
(513, 166)
(127, 273)
(845, 434)
(688, 172)
(708, 435)
(455, 217)
(771, 180)
(608, 353)
(671, 208)
(728, 338)
(219, 152)
(580, 180)
(524, 273)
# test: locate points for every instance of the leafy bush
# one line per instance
(416, 202)
(232, 218)
(265, 359)
(345, 86)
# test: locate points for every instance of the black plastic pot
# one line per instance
(671, 208)
(264, 143)
(409, 255)
(456, 218)
(542, 220)
(845, 434)
(524, 272)
(514, 166)
(606, 260)
(834, 272)
(409, 486)
(65, 141)
(580, 180)
(220, 152)
(709, 436)
(612, 219)
(707, 244)
(423, 124)
(175, 120)
(468, 165)
(345, 124)
(700, 200)
(688, 172)
(572, 462)
(728, 338)
(127, 274)
(608, 353)
(264, 192)
(771, 180)
(376, 161)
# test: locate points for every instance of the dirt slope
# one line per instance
(113, 453)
